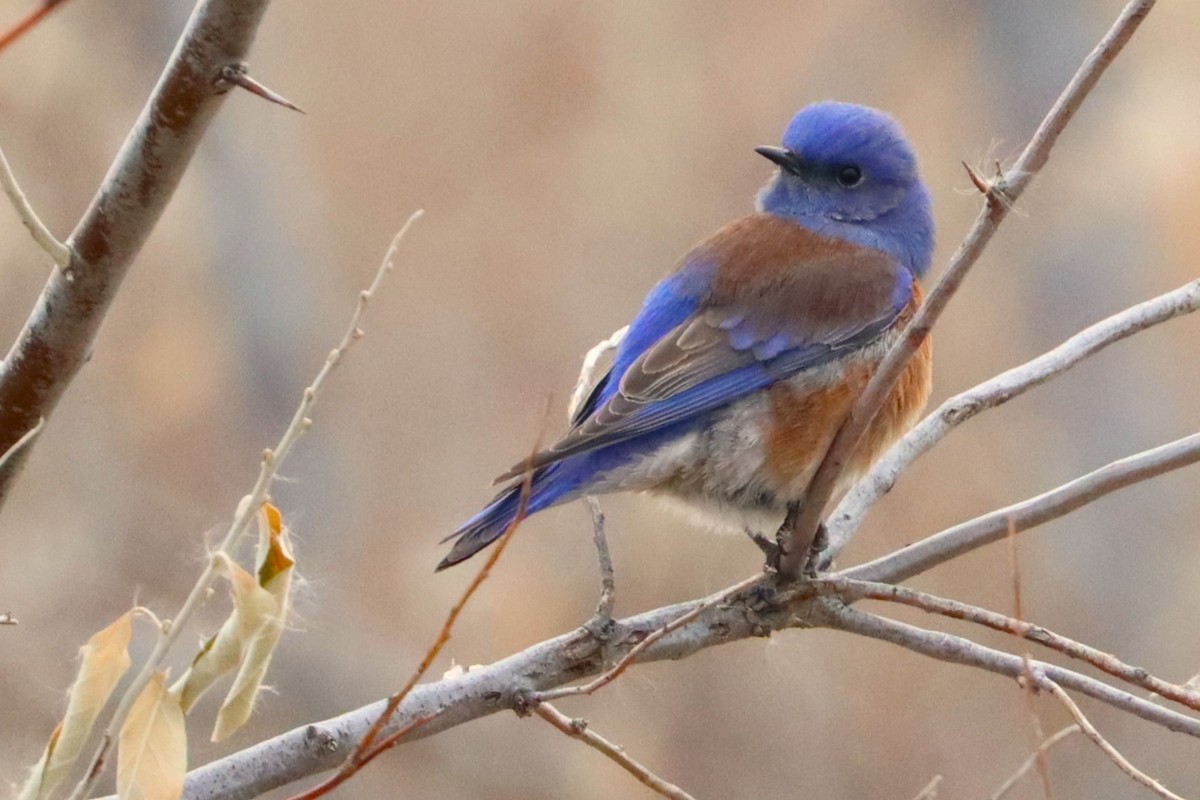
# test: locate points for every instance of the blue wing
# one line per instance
(714, 353)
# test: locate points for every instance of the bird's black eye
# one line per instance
(849, 176)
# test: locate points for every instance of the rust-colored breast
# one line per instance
(803, 423)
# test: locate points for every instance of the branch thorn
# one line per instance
(977, 179)
(236, 75)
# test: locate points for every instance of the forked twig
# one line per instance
(615, 672)
(1089, 730)
(1032, 761)
(246, 511)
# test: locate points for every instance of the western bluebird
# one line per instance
(742, 363)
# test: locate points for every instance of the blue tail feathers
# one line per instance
(548, 487)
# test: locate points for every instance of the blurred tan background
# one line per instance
(567, 154)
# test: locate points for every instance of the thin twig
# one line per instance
(958, 650)
(1002, 194)
(675, 624)
(1027, 679)
(846, 518)
(21, 443)
(247, 508)
(602, 619)
(578, 729)
(1032, 761)
(59, 253)
(930, 792)
(973, 534)
(850, 590)
(1090, 731)
(27, 23)
(367, 750)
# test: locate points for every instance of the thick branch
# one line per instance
(973, 534)
(846, 518)
(571, 657)
(1000, 198)
(58, 336)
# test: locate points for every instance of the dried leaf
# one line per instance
(253, 606)
(103, 660)
(274, 547)
(275, 564)
(152, 747)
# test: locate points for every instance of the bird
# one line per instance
(743, 362)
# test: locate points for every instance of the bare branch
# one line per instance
(850, 590)
(515, 681)
(975, 533)
(578, 729)
(367, 749)
(930, 791)
(1034, 759)
(601, 622)
(28, 22)
(665, 629)
(1043, 766)
(1002, 194)
(1090, 731)
(58, 252)
(846, 518)
(61, 329)
(957, 650)
(247, 508)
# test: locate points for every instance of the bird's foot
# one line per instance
(769, 548)
(815, 550)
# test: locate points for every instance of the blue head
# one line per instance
(847, 171)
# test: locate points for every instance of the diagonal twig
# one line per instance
(958, 650)
(975, 533)
(368, 748)
(673, 625)
(845, 519)
(850, 590)
(1002, 194)
(247, 508)
(1033, 760)
(28, 22)
(1090, 731)
(59, 253)
(578, 729)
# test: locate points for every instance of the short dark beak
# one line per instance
(787, 160)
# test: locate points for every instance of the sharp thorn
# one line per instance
(977, 179)
(237, 76)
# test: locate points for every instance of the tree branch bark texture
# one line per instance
(57, 338)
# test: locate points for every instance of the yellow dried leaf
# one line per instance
(274, 549)
(103, 660)
(275, 574)
(253, 606)
(152, 746)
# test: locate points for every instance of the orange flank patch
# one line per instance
(804, 423)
